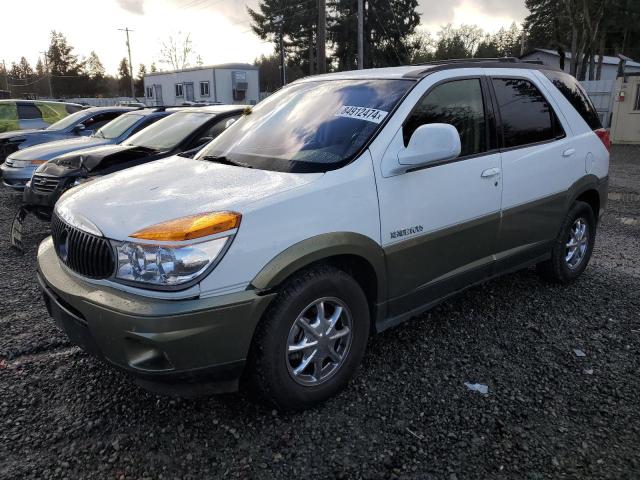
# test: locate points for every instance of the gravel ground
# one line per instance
(407, 414)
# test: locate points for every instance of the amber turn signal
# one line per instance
(188, 228)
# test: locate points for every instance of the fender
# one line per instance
(584, 184)
(321, 247)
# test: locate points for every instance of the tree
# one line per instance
(298, 21)
(93, 66)
(389, 28)
(63, 65)
(153, 68)
(21, 70)
(177, 51)
(124, 78)
(504, 43)
(139, 81)
(269, 69)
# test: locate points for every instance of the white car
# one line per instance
(339, 206)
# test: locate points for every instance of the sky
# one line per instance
(220, 29)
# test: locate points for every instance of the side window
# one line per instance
(97, 121)
(28, 111)
(204, 89)
(526, 115)
(179, 90)
(72, 108)
(458, 103)
(145, 123)
(572, 91)
(211, 132)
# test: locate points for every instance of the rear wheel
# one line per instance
(572, 248)
(310, 341)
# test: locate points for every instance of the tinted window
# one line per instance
(526, 115)
(27, 111)
(146, 122)
(68, 121)
(117, 127)
(311, 126)
(458, 103)
(571, 89)
(100, 119)
(73, 108)
(167, 133)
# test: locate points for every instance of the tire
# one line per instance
(559, 268)
(271, 370)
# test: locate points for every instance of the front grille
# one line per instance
(84, 253)
(44, 183)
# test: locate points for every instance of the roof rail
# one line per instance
(500, 62)
(470, 60)
(160, 108)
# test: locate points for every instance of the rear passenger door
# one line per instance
(539, 164)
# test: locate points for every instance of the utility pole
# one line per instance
(279, 20)
(322, 36)
(46, 66)
(360, 34)
(133, 88)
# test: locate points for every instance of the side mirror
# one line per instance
(79, 128)
(434, 142)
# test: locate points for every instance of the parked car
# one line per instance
(33, 114)
(81, 123)
(20, 165)
(184, 132)
(342, 204)
(131, 104)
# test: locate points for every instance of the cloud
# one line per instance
(132, 6)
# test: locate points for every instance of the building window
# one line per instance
(204, 89)
(149, 92)
(179, 90)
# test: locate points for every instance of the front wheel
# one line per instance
(310, 341)
(572, 248)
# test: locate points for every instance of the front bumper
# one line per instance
(44, 200)
(16, 178)
(171, 346)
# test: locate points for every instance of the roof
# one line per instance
(606, 59)
(220, 66)
(22, 100)
(218, 109)
(421, 70)
(110, 109)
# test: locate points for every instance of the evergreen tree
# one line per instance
(139, 81)
(389, 27)
(124, 78)
(299, 25)
(63, 66)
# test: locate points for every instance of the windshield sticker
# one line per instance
(363, 113)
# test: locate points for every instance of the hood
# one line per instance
(91, 158)
(126, 201)
(49, 150)
(18, 133)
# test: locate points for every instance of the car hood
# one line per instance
(49, 150)
(126, 201)
(18, 133)
(92, 157)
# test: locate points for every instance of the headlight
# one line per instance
(172, 252)
(166, 265)
(26, 163)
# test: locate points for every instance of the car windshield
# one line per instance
(309, 127)
(118, 126)
(167, 133)
(68, 121)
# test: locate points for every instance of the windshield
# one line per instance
(310, 126)
(68, 121)
(167, 133)
(118, 126)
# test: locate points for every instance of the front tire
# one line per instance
(310, 341)
(572, 248)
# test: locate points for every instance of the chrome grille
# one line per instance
(44, 183)
(84, 253)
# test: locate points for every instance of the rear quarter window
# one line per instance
(28, 111)
(8, 117)
(577, 97)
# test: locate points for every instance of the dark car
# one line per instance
(184, 132)
(83, 122)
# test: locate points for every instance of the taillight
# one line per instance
(603, 134)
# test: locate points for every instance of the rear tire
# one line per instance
(572, 248)
(321, 310)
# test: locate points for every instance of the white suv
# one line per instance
(341, 205)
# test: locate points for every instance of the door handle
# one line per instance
(490, 172)
(569, 152)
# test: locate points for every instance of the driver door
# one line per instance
(440, 222)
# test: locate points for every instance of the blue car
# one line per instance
(82, 123)
(19, 166)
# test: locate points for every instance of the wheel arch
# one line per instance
(591, 190)
(358, 255)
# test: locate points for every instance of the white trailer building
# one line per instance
(609, 64)
(229, 83)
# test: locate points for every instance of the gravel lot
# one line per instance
(408, 414)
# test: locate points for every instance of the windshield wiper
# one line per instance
(224, 160)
